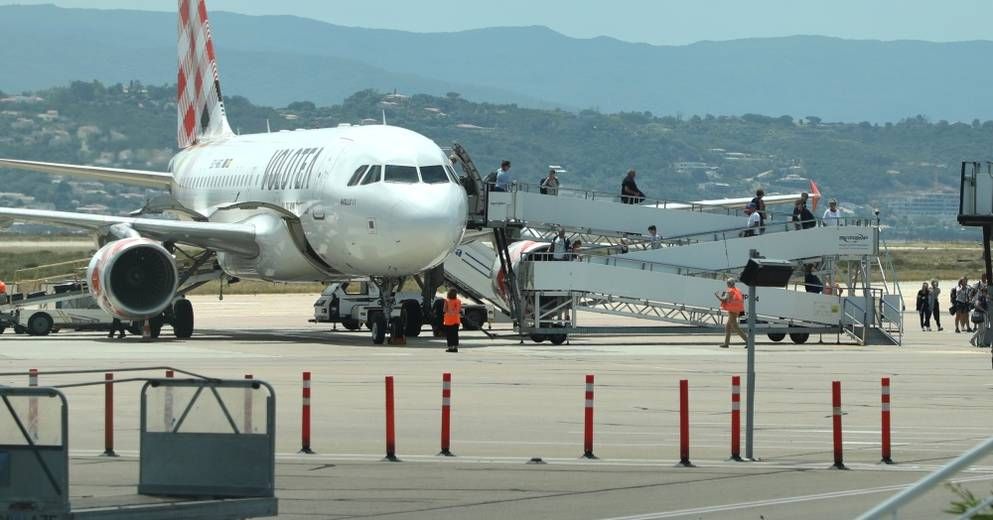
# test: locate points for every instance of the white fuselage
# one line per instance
(311, 222)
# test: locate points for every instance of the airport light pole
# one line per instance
(759, 272)
(750, 370)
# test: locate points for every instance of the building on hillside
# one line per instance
(939, 204)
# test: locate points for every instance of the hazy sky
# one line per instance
(651, 21)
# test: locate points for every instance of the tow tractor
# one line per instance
(354, 304)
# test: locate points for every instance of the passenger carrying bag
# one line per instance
(978, 316)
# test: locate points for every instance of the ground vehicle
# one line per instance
(355, 303)
(61, 306)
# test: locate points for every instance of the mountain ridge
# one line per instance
(832, 78)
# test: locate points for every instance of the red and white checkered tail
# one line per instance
(199, 104)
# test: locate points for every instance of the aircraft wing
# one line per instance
(230, 238)
(148, 179)
(790, 198)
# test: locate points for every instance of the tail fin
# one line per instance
(200, 107)
(815, 193)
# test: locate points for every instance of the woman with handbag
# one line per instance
(924, 307)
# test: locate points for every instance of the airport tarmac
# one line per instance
(513, 402)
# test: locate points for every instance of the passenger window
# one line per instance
(357, 175)
(373, 175)
(434, 175)
(402, 174)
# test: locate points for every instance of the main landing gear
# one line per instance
(381, 322)
(179, 315)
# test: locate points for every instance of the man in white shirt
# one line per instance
(832, 216)
(754, 220)
(654, 239)
(504, 179)
(560, 246)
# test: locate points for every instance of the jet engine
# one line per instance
(133, 278)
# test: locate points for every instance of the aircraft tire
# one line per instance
(413, 318)
(182, 318)
(155, 326)
(776, 336)
(475, 319)
(377, 326)
(40, 324)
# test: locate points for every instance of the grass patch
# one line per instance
(941, 261)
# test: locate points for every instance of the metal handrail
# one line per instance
(645, 265)
(579, 193)
(892, 505)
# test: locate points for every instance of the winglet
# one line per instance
(815, 193)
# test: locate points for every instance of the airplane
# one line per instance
(332, 204)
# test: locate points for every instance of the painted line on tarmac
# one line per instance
(780, 501)
(497, 459)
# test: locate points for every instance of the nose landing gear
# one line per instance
(383, 325)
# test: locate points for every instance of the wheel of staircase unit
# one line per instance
(776, 336)
(377, 327)
(40, 324)
(182, 318)
(799, 337)
(557, 339)
(538, 338)
(413, 318)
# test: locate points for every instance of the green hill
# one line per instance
(677, 158)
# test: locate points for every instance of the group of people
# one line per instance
(969, 304)
(802, 217)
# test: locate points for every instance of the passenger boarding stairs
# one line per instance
(622, 275)
(619, 273)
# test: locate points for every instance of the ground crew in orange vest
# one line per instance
(733, 302)
(452, 320)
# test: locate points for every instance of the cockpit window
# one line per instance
(357, 175)
(403, 174)
(434, 175)
(451, 174)
(372, 175)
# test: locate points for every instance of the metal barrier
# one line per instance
(891, 507)
(205, 458)
(191, 442)
(34, 467)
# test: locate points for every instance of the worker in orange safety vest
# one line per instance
(452, 319)
(733, 302)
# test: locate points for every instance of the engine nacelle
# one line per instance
(133, 278)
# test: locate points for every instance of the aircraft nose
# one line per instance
(429, 227)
